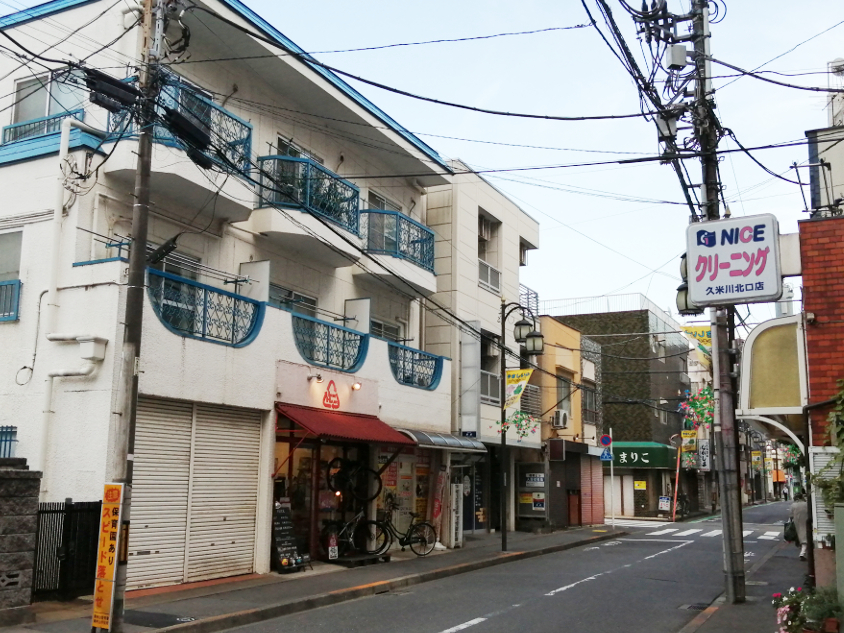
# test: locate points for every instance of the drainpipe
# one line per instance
(92, 350)
(58, 212)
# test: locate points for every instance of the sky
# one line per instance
(602, 245)
(603, 229)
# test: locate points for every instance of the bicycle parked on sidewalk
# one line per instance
(420, 537)
(683, 507)
(359, 534)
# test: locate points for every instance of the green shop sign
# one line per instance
(643, 455)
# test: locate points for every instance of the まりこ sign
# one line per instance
(734, 261)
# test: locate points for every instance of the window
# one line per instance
(286, 147)
(10, 255)
(377, 201)
(564, 393)
(285, 299)
(523, 255)
(47, 96)
(590, 402)
(385, 330)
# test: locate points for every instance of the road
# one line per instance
(644, 582)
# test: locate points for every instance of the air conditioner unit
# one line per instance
(489, 349)
(560, 420)
(484, 229)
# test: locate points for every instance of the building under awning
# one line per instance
(442, 441)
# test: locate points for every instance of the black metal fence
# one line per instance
(66, 549)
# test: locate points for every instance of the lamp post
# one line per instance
(526, 334)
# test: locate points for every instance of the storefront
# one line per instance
(644, 472)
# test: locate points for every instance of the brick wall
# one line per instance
(822, 255)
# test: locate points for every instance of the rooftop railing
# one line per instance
(39, 127)
(329, 345)
(414, 367)
(394, 233)
(191, 309)
(304, 184)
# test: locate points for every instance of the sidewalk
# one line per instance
(777, 571)
(222, 604)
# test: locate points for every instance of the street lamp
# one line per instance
(526, 334)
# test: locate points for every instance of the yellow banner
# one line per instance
(109, 546)
(689, 441)
(516, 381)
(756, 455)
(700, 333)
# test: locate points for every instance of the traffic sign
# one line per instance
(605, 440)
(606, 456)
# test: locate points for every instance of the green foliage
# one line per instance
(699, 409)
(523, 423)
(820, 605)
(829, 480)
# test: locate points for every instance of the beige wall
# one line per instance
(562, 356)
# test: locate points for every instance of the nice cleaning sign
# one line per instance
(734, 261)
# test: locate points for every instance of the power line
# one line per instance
(774, 81)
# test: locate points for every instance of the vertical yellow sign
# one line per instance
(515, 383)
(107, 553)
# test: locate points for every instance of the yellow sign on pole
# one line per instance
(700, 333)
(756, 455)
(689, 441)
(516, 381)
(107, 556)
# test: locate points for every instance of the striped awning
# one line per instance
(427, 439)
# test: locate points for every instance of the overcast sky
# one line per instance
(590, 245)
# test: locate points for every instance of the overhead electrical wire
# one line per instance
(774, 81)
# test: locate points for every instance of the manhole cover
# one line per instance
(695, 607)
(154, 620)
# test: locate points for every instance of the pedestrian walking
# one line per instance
(784, 493)
(799, 514)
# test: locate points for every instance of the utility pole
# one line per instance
(127, 400)
(726, 437)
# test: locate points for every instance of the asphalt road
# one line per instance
(641, 583)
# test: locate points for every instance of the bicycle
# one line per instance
(420, 537)
(682, 505)
(344, 475)
(369, 537)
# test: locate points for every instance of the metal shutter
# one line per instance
(224, 492)
(819, 457)
(160, 493)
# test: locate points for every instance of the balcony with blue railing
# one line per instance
(414, 367)
(10, 295)
(304, 184)
(195, 310)
(395, 234)
(39, 127)
(41, 137)
(329, 345)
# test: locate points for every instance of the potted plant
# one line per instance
(821, 610)
(789, 606)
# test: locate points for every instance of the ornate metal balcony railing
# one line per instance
(231, 136)
(393, 233)
(10, 294)
(531, 402)
(194, 310)
(302, 183)
(414, 367)
(328, 345)
(490, 388)
(489, 277)
(39, 127)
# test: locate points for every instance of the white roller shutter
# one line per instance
(224, 492)
(819, 458)
(160, 493)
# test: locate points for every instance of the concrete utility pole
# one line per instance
(127, 400)
(726, 436)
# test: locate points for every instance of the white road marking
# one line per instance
(574, 584)
(687, 533)
(770, 536)
(747, 533)
(665, 551)
(713, 533)
(661, 532)
(635, 523)
(465, 625)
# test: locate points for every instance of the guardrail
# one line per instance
(39, 127)
(302, 183)
(490, 388)
(189, 308)
(394, 233)
(329, 345)
(414, 367)
(10, 294)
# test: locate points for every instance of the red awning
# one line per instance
(334, 425)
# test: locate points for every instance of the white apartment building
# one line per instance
(482, 241)
(287, 328)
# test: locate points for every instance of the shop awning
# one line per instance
(643, 455)
(349, 427)
(445, 442)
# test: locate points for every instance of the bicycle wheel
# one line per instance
(333, 476)
(365, 483)
(372, 537)
(422, 538)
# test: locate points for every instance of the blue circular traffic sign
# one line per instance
(605, 440)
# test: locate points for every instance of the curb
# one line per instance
(260, 614)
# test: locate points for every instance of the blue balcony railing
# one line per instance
(10, 295)
(328, 345)
(304, 184)
(194, 310)
(414, 367)
(230, 135)
(393, 233)
(39, 127)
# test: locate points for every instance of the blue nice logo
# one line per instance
(706, 238)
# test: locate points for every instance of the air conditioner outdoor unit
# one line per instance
(560, 420)
(490, 349)
(484, 229)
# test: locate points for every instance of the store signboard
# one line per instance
(734, 261)
(704, 456)
(107, 556)
(640, 485)
(664, 503)
(517, 379)
(689, 441)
